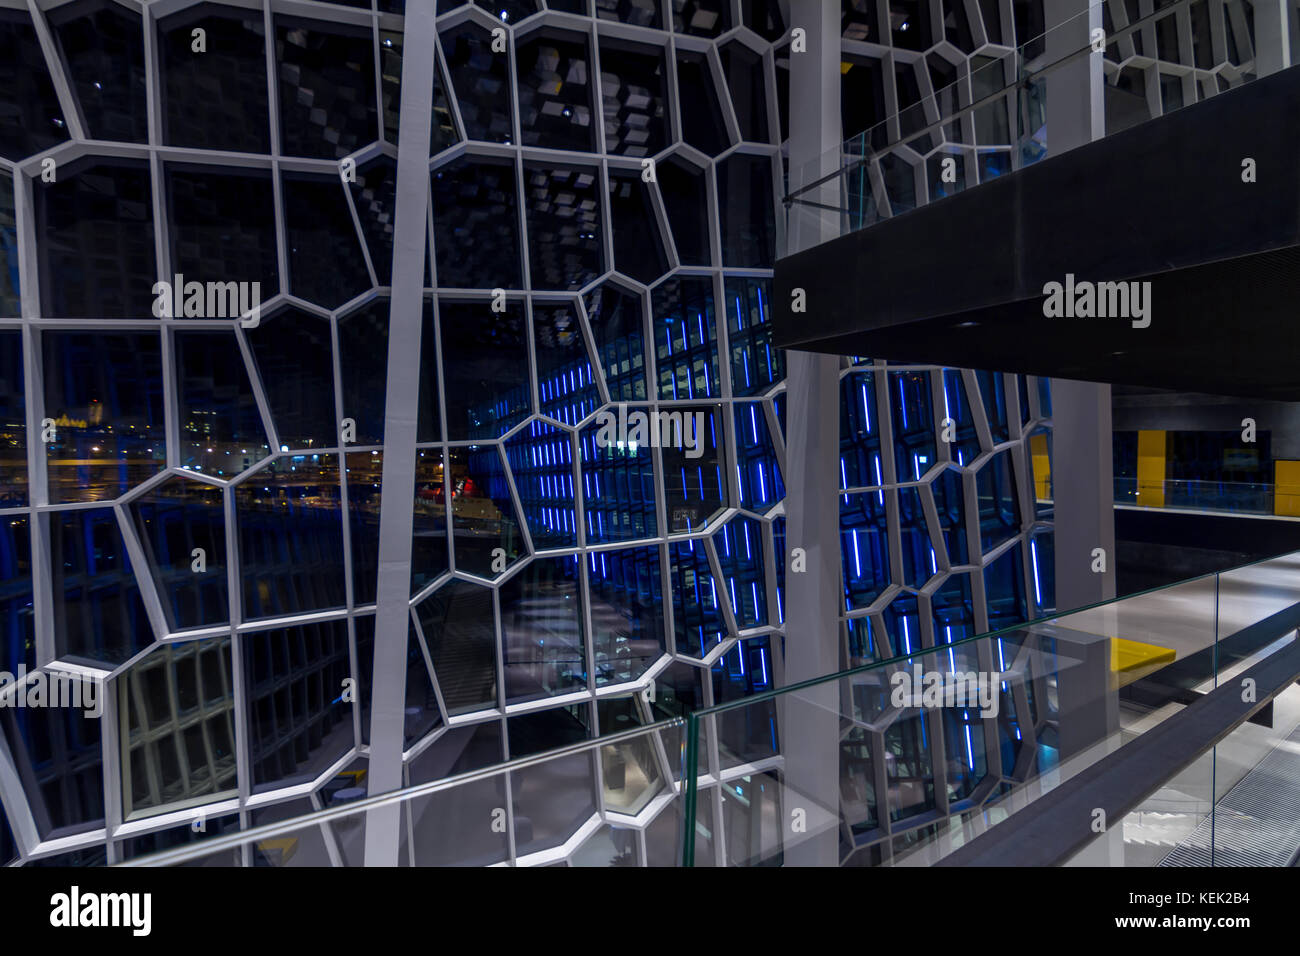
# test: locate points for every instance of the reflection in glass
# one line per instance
(103, 47)
(98, 612)
(59, 761)
(555, 110)
(634, 98)
(30, 117)
(627, 620)
(291, 537)
(567, 389)
(220, 425)
(17, 620)
(221, 221)
(182, 531)
(485, 360)
(541, 623)
(326, 265)
(295, 362)
(13, 420)
(693, 477)
(686, 339)
(638, 248)
(481, 80)
(458, 622)
(476, 223)
(697, 616)
(756, 365)
(298, 722)
(326, 75)
(618, 328)
(486, 532)
(566, 249)
(541, 461)
(758, 472)
(178, 736)
(618, 489)
(739, 547)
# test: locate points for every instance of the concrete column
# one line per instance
(1082, 467)
(1272, 36)
(810, 719)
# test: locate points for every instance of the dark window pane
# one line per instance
(541, 624)
(747, 204)
(30, 117)
(627, 618)
(641, 13)
(484, 523)
(103, 48)
(565, 382)
(326, 265)
(374, 195)
(686, 338)
(13, 421)
(222, 223)
(618, 328)
(634, 98)
(743, 69)
(221, 429)
(326, 75)
(756, 365)
(476, 224)
(618, 489)
(104, 392)
(697, 616)
(458, 623)
(95, 231)
(17, 621)
(215, 99)
(685, 194)
(638, 248)
(481, 80)
(295, 363)
(702, 123)
(693, 475)
(298, 723)
(555, 111)
(485, 360)
(291, 537)
(565, 248)
(59, 759)
(705, 18)
(172, 521)
(98, 613)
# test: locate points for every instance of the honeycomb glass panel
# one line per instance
(743, 69)
(638, 247)
(326, 265)
(758, 473)
(1004, 584)
(554, 73)
(748, 733)
(298, 722)
(541, 461)
(704, 18)
(756, 364)
(919, 558)
(541, 626)
(223, 67)
(567, 390)
(748, 215)
(182, 530)
(481, 81)
(363, 362)
(698, 624)
(485, 529)
(565, 244)
(686, 338)
(104, 393)
(13, 421)
(552, 800)
(641, 13)
(459, 625)
(17, 611)
(374, 195)
(177, 705)
(693, 472)
(739, 545)
(627, 620)
(58, 757)
(634, 97)
(950, 500)
(476, 224)
(954, 614)
(864, 543)
(993, 391)
(485, 360)
(914, 436)
(999, 508)
(685, 192)
(618, 489)
(291, 537)
(221, 428)
(447, 826)
(764, 18)
(702, 123)
(965, 443)
(326, 75)
(618, 329)
(99, 615)
(10, 301)
(30, 117)
(222, 226)
(295, 364)
(103, 49)
(96, 240)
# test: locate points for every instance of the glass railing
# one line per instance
(992, 119)
(905, 759)
(897, 761)
(611, 801)
(1243, 497)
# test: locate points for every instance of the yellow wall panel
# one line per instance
(1151, 469)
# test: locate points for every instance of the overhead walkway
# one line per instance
(1190, 220)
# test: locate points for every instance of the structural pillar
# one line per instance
(810, 719)
(401, 413)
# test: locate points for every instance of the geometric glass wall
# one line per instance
(189, 503)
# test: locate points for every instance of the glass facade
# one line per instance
(190, 495)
